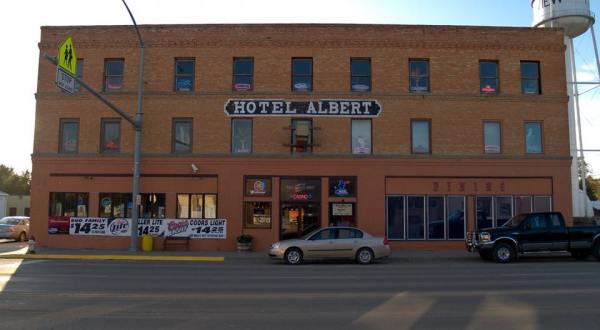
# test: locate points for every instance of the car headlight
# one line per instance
(485, 237)
(275, 245)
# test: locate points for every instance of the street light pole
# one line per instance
(137, 154)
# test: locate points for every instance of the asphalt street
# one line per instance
(454, 292)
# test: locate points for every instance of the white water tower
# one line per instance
(575, 18)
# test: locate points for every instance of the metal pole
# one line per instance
(581, 160)
(595, 49)
(137, 154)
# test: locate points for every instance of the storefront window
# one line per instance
(503, 209)
(435, 217)
(522, 204)
(196, 206)
(491, 137)
(257, 214)
(68, 204)
(115, 205)
(210, 206)
(415, 210)
(542, 204)
(256, 187)
(152, 206)
(301, 190)
(533, 138)
(395, 217)
(484, 212)
(342, 186)
(361, 137)
(241, 136)
(455, 211)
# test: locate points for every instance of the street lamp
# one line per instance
(137, 154)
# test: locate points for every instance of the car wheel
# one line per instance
(597, 251)
(580, 255)
(22, 237)
(365, 256)
(293, 256)
(504, 253)
(487, 256)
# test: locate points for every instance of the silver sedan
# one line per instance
(332, 243)
(15, 228)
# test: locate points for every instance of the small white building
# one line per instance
(18, 205)
(3, 203)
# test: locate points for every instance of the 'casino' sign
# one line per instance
(322, 108)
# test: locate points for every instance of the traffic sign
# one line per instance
(65, 81)
(67, 59)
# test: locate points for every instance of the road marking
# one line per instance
(108, 257)
(401, 311)
(497, 312)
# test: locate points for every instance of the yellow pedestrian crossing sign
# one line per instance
(67, 59)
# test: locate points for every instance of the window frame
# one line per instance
(428, 121)
(233, 74)
(174, 122)
(370, 76)
(541, 124)
(233, 120)
(427, 218)
(426, 60)
(370, 136)
(62, 122)
(538, 78)
(246, 213)
(63, 194)
(192, 75)
(189, 205)
(497, 77)
(112, 205)
(106, 75)
(103, 122)
(311, 75)
(492, 121)
(465, 217)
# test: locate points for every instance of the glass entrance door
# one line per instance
(298, 219)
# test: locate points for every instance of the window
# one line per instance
(302, 136)
(258, 186)
(324, 234)
(113, 74)
(26, 211)
(415, 212)
(361, 137)
(340, 186)
(418, 75)
(360, 74)
(533, 138)
(455, 211)
(488, 77)
(395, 217)
(536, 222)
(346, 233)
(241, 136)
(196, 206)
(492, 137)
(12, 211)
(556, 221)
(243, 70)
(530, 77)
(435, 217)
(484, 212)
(182, 136)
(152, 206)
(257, 215)
(64, 204)
(184, 75)
(110, 136)
(115, 205)
(503, 209)
(69, 136)
(522, 204)
(302, 74)
(420, 136)
(542, 204)
(79, 73)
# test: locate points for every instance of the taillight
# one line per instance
(386, 242)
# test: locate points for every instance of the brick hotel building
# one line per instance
(416, 133)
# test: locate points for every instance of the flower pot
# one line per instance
(244, 247)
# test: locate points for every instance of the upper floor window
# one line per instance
(361, 136)
(184, 75)
(243, 71)
(110, 136)
(530, 77)
(113, 74)
(491, 137)
(69, 136)
(182, 135)
(79, 73)
(533, 138)
(302, 71)
(302, 136)
(488, 77)
(241, 136)
(360, 69)
(418, 75)
(421, 136)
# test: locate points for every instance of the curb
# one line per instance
(109, 257)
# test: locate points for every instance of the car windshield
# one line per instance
(9, 221)
(515, 221)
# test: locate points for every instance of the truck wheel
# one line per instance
(487, 256)
(504, 253)
(597, 251)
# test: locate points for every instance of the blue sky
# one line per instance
(21, 32)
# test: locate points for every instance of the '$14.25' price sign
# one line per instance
(87, 226)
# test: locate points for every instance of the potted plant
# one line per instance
(244, 242)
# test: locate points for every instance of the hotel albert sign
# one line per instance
(321, 108)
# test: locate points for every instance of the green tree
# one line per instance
(13, 183)
(592, 184)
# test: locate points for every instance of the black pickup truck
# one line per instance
(534, 232)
